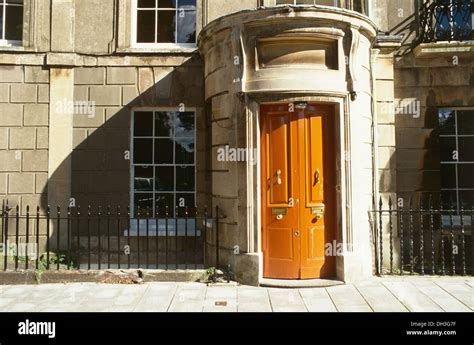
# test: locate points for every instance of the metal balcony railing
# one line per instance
(446, 21)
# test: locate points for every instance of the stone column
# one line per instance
(60, 136)
(384, 138)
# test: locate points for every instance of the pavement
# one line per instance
(394, 294)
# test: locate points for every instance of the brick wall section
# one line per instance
(24, 118)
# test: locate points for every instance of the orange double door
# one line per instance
(298, 191)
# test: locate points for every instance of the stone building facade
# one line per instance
(92, 92)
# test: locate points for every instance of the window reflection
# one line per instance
(164, 160)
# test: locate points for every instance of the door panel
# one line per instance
(298, 198)
(281, 245)
(318, 217)
(278, 173)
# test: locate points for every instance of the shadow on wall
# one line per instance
(101, 159)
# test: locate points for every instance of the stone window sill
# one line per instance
(158, 50)
(426, 50)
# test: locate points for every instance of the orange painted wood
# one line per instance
(298, 173)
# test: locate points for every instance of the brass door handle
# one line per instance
(317, 177)
(278, 175)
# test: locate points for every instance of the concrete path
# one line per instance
(414, 294)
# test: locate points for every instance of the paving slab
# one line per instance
(220, 299)
(346, 298)
(253, 299)
(157, 298)
(318, 300)
(442, 298)
(286, 300)
(461, 292)
(411, 297)
(189, 297)
(380, 298)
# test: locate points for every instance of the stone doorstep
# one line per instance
(103, 276)
(308, 283)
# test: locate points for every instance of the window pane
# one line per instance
(143, 151)
(164, 151)
(186, 199)
(162, 200)
(185, 179)
(143, 179)
(1, 21)
(447, 147)
(146, 26)
(187, 4)
(164, 124)
(166, 26)
(466, 175)
(446, 122)
(164, 179)
(167, 3)
(184, 150)
(14, 23)
(146, 4)
(466, 149)
(467, 198)
(18, 2)
(449, 199)
(448, 176)
(466, 122)
(187, 27)
(185, 124)
(144, 201)
(143, 126)
(325, 2)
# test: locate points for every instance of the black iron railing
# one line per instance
(446, 20)
(99, 238)
(427, 238)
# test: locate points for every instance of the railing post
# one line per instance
(401, 234)
(217, 237)
(58, 231)
(186, 240)
(99, 235)
(381, 236)
(89, 237)
(157, 243)
(451, 223)
(27, 235)
(204, 250)
(410, 224)
(37, 235)
(390, 211)
(422, 241)
(68, 239)
(48, 219)
(431, 218)
(119, 249)
(441, 230)
(108, 236)
(5, 257)
(17, 235)
(463, 241)
(166, 236)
